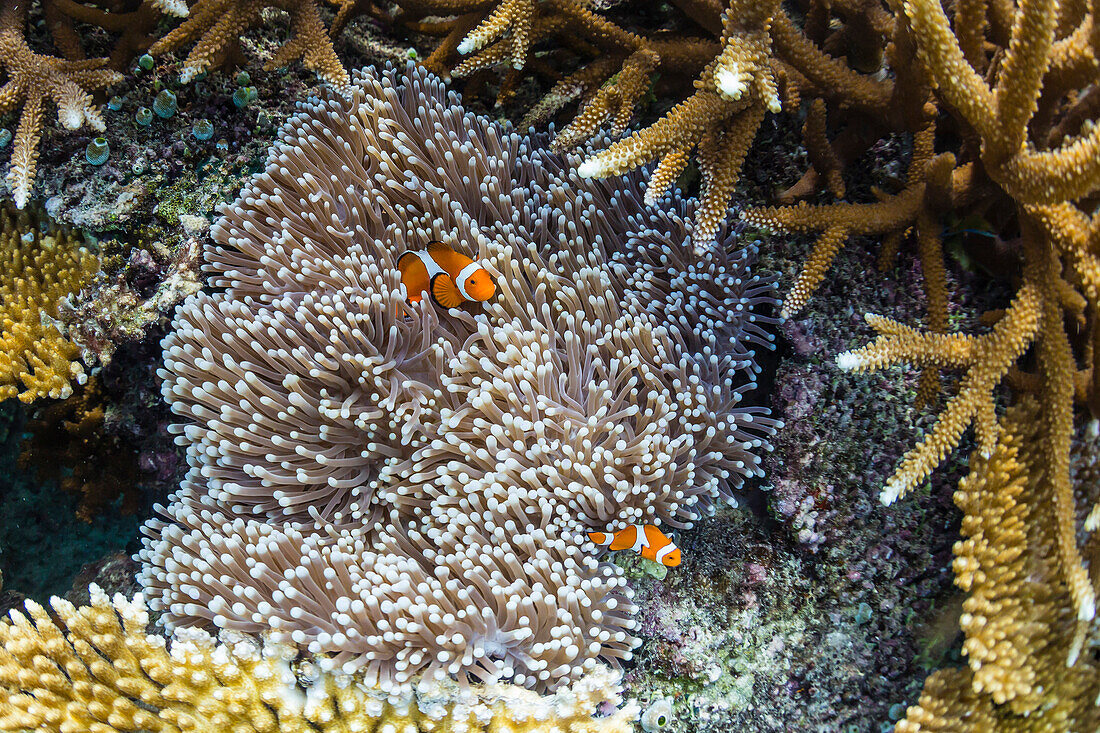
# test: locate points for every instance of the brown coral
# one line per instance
(1033, 603)
(40, 264)
(32, 79)
(215, 27)
(747, 57)
(68, 444)
(132, 21)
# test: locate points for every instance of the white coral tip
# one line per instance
(70, 117)
(1092, 521)
(592, 168)
(177, 8)
(849, 361)
(466, 46)
(890, 492)
(730, 84)
(1087, 611)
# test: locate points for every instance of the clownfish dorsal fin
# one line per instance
(445, 292)
(435, 247)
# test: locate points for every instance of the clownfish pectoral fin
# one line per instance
(445, 292)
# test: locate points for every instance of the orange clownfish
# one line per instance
(647, 540)
(450, 278)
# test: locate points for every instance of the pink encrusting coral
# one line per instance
(409, 489)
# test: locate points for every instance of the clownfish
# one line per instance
(450, 278)
(646, 540)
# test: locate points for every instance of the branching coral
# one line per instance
(1019, 619)
(40, 264)
(1051, 286)
(1031, 158)
(215, 27)
(720, 119)
(94, 668)
(34, 78)
(744, 58)
(133, 21)
(68, 444)
(419, 483)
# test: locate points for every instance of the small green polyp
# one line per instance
(244, 96)
(165, 104)
(97, 151)
(202, 129)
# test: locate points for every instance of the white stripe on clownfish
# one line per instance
(665, 552)
(430, 264)
(463, 276)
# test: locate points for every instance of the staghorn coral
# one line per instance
(133, 21)
(40, 264)
(215, 26)
(1058, 274)
(1019, 620)
(94, 668)
(720, 119)
(1030, 159)
(437, 471)
(32, 79)
(743, 59)
(69, 444)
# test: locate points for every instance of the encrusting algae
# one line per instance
(94, 669)
(40, 265)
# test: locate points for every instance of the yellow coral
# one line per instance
(37, 270)
(95, 669)
(215, 27)
(1019, 618)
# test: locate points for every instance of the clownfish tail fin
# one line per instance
(600, 538)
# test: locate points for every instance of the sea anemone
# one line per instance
(408, 489)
